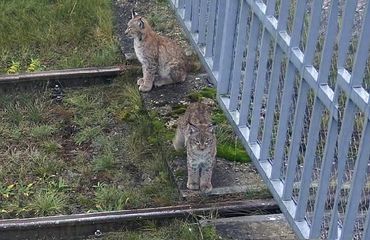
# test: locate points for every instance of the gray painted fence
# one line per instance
(292, 77)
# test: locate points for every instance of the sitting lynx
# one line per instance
(158, 55)
(196, 132)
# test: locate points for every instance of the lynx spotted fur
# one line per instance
(196, 133)
(163, 61)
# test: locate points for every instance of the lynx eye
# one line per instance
(197, 142)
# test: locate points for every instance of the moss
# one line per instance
(232, 153)
(178, 109)
(206, 92)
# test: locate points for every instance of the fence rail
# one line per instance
(293, 79)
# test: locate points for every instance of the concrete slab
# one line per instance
(257, 227)
(228, 178)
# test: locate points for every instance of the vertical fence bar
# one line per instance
(324, 179)
(313, 33)
(211, 28)
(344, 142)
(274, 83)
(271, 102)
(194, 15)
(241, 43)
(329, 43)
(187, 15)
(309, 159)
(333, 124)
(202, 22)
(261, 77)
(180, 4)
(366, 234)
(218, 39)
(346, 32)
(314, 128)
(296, 139)
(364, 151)
(249, 71)
(362, 51)
(359, 176)
(227, 46)
(287, 93)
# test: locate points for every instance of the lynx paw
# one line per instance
(140, 81)
(192, 186)
(161, 82)
(145, 88)
(206, 188)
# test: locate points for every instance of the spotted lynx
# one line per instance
(163, 61)
(196, 133)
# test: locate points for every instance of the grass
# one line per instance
(176, 229)
(46, 34)
(82, 155)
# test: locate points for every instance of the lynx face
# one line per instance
(136, 26)
(201, 137)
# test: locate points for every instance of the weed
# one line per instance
(110, 198)
(104, 162)
(42, 131)
(14, 68)
(34, 66)
(87, 134)
(35, 110)
(13, 113)
(44, 165)
(51, 147)
(48, 202)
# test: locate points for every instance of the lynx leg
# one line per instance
(140, 81)
(162, 81)
(179, 140)
(193, 177)
(148, 79)
(205, 180)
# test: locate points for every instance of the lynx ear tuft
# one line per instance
(141, 23)
(133, 13)
(211, 128)
(193, 128)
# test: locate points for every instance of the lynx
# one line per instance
(163, 61)
(196, 133)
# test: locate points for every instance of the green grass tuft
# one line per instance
(233, 153)
(42, 131)
(104, 162)
(87, 134)
(206, 92)
(110, 198)
(48, 202)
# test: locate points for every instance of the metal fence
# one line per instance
(293, 78)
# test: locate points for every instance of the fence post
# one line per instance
(227, 46)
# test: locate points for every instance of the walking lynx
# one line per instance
(196, 133)
(162, 60)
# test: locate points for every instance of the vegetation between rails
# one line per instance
(99, 150)
(43, 34)
(176, 229)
